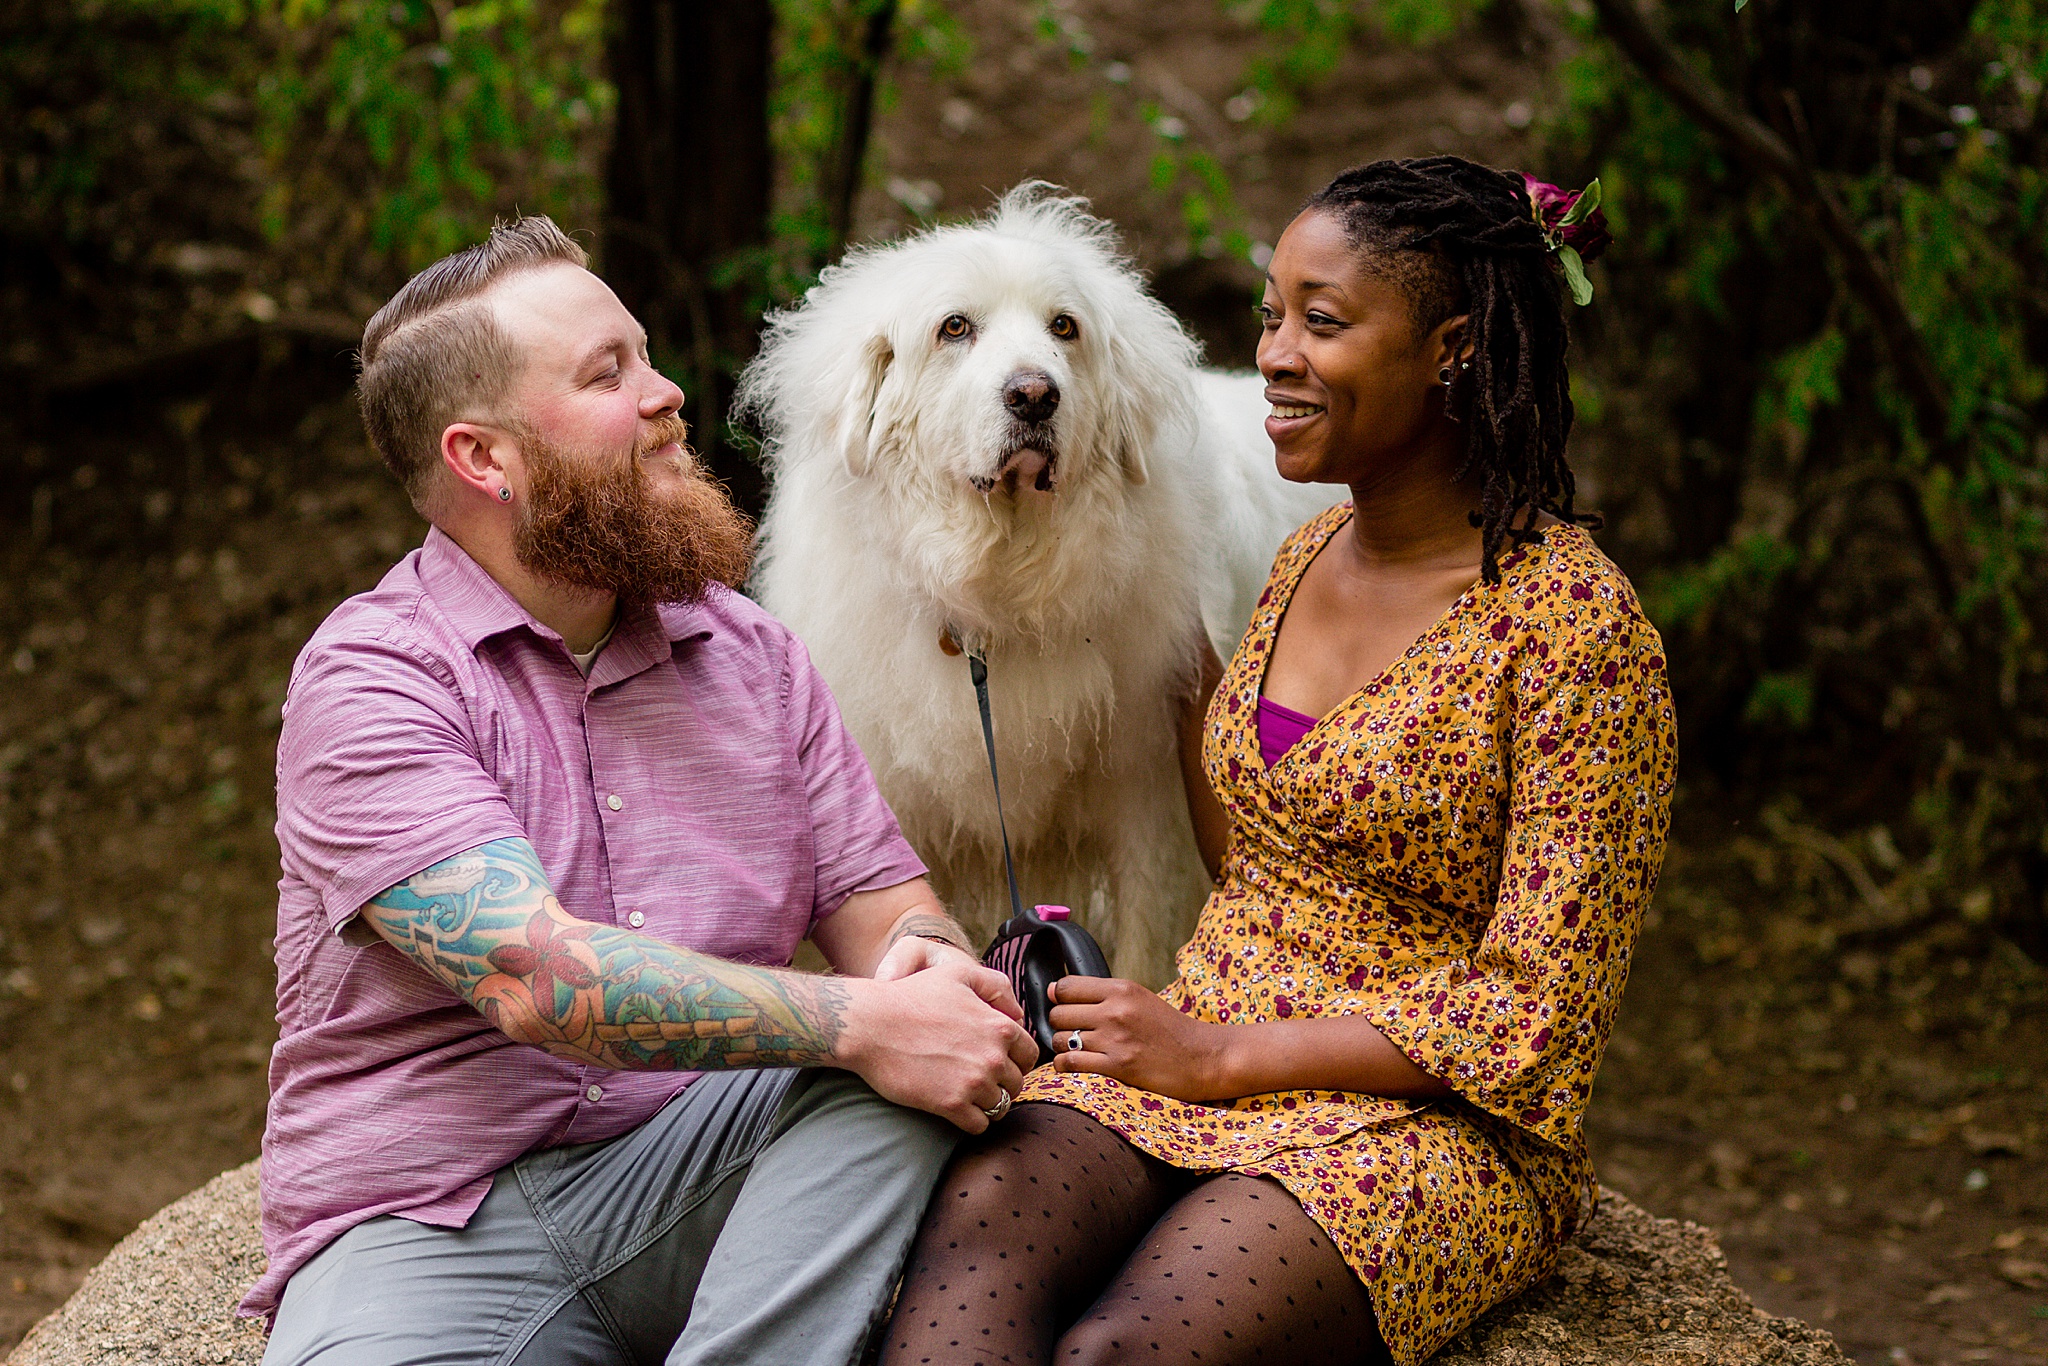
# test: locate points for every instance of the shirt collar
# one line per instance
(479, 607)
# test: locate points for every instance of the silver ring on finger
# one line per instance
(1074, 1044)
(1000, 1108)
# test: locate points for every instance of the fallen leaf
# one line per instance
(1948, 1294)
(1982, 1141)
(2023, 1273)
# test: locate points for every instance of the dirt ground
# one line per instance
(1864, 1125)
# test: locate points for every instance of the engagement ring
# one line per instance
(1074, 1042)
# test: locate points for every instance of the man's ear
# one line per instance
(480, 458)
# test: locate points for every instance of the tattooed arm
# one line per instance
(486, 923)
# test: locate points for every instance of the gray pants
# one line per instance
(761, 1217)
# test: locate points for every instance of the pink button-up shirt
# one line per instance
(698, 785)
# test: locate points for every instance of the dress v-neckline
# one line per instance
(1307, 557)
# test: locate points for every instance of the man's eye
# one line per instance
(955, 327)
(1064, 327)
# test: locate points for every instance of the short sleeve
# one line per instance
(859, 846)
(1519, 1030)
(378, 774)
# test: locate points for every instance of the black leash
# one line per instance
(977, 669)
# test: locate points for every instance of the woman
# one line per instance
(1438, 774)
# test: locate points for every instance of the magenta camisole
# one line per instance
(1279, 728)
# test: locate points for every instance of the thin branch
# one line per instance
(1760, 149)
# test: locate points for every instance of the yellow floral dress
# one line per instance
(1461, 853)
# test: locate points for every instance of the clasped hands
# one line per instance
(954, 1060)
(937, 1031)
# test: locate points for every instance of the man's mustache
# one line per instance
(667, 429)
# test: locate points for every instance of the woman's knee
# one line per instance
(1110, 1339)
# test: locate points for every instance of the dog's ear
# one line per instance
(857, 410)
(1149, 364)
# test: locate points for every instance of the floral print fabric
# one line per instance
(1460, 852)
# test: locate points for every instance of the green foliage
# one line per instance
(1781, 699)
(1307, 38)
(1685, 594)
(818, 63)
(1803, 381)
(444, 102)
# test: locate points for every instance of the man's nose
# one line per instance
(1031, 395)
(663, 397)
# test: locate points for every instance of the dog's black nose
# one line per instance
(1031, 395)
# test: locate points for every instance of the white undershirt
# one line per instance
(588, 658)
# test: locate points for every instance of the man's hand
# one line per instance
(911, 954)
(943, 1038)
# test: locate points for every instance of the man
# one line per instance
(555, 807)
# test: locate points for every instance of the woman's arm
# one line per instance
(1212, 823)
(1130, 1034)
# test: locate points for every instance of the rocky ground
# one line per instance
(1632, 1290)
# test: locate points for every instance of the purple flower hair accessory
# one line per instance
(1574, 227)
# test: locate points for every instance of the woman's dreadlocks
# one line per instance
(1461, 238)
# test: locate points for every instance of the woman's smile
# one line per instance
(1289, 416)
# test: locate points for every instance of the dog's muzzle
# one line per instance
(1029, 459)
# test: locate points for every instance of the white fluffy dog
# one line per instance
(990, 434)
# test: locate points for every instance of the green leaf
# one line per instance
(1739, 4)
(1588, 200)
(1575, 275)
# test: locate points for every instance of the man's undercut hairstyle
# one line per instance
(435, 354)
(1456, 237)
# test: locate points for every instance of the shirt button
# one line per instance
(635, 919)
(614, 801)
(595, 1094)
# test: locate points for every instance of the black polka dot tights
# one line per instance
(1052, 1240)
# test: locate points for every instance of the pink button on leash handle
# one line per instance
(1036, 949)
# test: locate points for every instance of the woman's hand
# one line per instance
(1130, 1034)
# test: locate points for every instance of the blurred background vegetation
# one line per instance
(1811, 387)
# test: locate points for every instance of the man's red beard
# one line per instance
(605, 525)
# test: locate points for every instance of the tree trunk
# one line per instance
(689, 186)
(872, 32)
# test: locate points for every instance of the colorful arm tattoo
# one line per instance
(487, 923)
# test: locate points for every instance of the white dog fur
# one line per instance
(904, 506)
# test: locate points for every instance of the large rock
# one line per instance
(1646, 1291)
(1632, 1289)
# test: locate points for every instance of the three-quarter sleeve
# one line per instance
(1519, 1027)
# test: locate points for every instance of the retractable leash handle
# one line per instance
(1032, 948)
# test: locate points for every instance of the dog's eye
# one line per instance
(1064, 327)
(955, 327)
